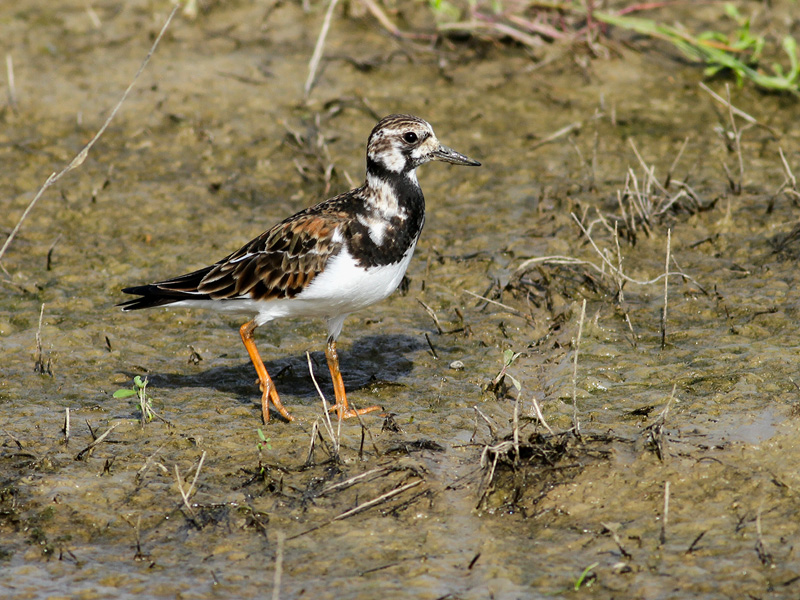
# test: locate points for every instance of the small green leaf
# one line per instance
(584, 575)
(124, 393)
(137, 381)
(261, 435)
(508, 357)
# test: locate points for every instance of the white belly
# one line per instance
(345, 287)
(342, 288)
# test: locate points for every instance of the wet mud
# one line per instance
(529, 447)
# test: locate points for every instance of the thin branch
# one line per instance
(95, 442)
(326, 412)
(375, 501)
(575, 422)
(12, 88)
(666, 292)
(665, 515)
(313, 64)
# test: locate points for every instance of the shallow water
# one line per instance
(199, 161)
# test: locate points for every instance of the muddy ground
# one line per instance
(680, 479)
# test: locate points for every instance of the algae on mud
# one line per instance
(198, 161)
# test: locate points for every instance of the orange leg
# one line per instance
(338, 386)
(268, 391)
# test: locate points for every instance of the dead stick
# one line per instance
(313, 64)
(575, 422)
(66, 426)
(665, 520)
(326, 412)
(353, 480)
(12, 88)
(666, 292)
(375, 501)
(538, 412)
(94, 443)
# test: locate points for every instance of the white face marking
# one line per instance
(394, 159)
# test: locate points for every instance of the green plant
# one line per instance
(586, 577)
(144, 401)
(264, 441)
(739, 53)
(509, 356)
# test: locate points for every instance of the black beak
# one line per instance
(449, 155)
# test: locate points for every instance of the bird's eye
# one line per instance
(410, 137)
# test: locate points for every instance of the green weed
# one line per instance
(739, 52)
(143, 399)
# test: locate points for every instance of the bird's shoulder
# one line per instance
(283, 260)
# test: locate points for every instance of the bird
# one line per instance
(329, 260)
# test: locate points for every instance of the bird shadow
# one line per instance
(375, 360)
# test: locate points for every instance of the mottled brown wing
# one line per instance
(279, 263)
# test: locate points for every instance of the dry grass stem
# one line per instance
(326, 418)
(151, 461)
(93, 17)
(538, 412)
(789, 185)
(432, 314)
(607, 264)
(500, 304)
(567, 129)
(737, 140)
(12, 88)
(313, 64)
(95, 442)
(81, 156)
(380, 16)
(666, 293)
(612, 529)
(187, 494)
(197, 473)
(313, 441)
(655, 432)
(665, 519)
(515, 427)
(789, 174)
(41, 366)
(675, 162)
(738, 112)
(499, 28)
(335, 487)
(375, 501)
(575, 422)
(366, 429)
(489, 424)
(276, 582)
(66, 428)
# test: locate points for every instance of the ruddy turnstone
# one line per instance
(329, 260)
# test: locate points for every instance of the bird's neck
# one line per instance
(392, 194)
